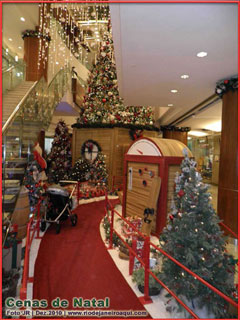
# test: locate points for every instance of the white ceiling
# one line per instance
(156, 43)
(13, 26)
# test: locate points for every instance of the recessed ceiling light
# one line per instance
(10, 39)
(22, 19)
(19, 47)
(184, 76)
(170, 105)
(57, 62)
(174, 91)
(201, 54)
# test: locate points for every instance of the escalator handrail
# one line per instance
(20, 104)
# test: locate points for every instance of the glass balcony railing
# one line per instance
(20, 132)
(13, 72)
(83, 56)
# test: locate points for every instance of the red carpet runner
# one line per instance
(75, 263)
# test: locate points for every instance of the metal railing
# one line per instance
(145, 262)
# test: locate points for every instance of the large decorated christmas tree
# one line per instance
(193, 237)
(102, 104)
(60, 158)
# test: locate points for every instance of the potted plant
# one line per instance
(154, 287)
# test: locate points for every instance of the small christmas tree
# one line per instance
(80, 170)
(193, 237)
(60, 155)
(94, 172)
(102, 104)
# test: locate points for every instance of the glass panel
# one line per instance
(19, 137)
(13, 72)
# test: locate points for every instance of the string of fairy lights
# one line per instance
(75, 31)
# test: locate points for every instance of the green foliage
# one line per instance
(60, 158)
(102, 104)
(94, 172)
(193, 237)
(139, 275)
(106, 226)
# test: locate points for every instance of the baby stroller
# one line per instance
(59, 205)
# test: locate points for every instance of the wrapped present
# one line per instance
(127, 230)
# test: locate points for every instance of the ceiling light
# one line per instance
(170, 105)
(16, 58)
(6, 49)
(22, 19)
(197, 133)
(215, 126)
(57, 62)
(201, 54)
(19, 47)
(185, 76)
(10, 39)
(174, 91)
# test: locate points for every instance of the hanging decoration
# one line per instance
(224, 86)
(135, 133)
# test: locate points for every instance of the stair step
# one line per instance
(15, 170)
(12, 191)
(9, 198)
(12, 183)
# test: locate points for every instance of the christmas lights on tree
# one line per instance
(60, 158)
(193, 237)
(102, 104)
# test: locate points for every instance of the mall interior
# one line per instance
(111, 83)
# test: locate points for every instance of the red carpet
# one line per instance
(75, 263)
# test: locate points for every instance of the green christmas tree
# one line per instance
(94, 172)
(80, 170)
(193, 237)
(102, 104)
(60, 158)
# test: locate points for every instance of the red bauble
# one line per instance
(104, 100)
(171, 217)
(181, 193)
